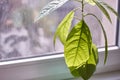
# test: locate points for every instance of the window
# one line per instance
(30, 44)
(21, 37)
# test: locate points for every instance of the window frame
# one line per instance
(118, 27)
(53, 67)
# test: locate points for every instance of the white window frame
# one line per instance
(53, 67)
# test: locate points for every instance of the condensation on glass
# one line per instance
(21, 37)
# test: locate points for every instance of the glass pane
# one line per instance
(20, 37)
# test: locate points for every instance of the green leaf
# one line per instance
(105, 36)
(75, 71)
(91, 2)
(77, 47)
(94, 55)
(109, 8)
(87, 70)
(53, 5)
(103, 10)
(63, 28)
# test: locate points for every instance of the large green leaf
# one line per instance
(77, 47)
(105, 36)
(87, 70)
(63, 28)
(53, 5)
(103, 10)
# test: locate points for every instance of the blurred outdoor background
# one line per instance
(21, 37)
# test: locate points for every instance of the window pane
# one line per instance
(20, 37)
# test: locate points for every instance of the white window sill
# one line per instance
(52, 67)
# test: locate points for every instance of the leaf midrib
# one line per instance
(78, 45)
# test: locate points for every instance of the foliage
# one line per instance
(63, 28)
(81, 54)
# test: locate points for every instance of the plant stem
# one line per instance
(82, 9)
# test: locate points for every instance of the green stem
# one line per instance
(82, 9)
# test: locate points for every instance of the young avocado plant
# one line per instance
(81, 54)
